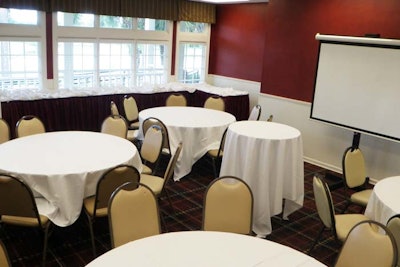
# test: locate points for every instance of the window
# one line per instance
(192, 48)
(75, 20)
(192, 58)
(113, 22)
(109, 51)
(193, 27)
(18, 16)
(152, 61)
(21, 49)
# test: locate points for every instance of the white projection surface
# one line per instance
(357, 84)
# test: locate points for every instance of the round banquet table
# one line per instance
(199, 129)
(200, 249)
(269, 157)
(384, 201)
(62, 168)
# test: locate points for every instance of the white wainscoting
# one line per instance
(324, 144)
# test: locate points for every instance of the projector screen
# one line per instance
(357, 84)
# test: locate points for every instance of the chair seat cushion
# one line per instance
(213, 152)
(362, 197)
(146, 170)
(88, 204)
(154, 182)
(134, 125)
(24, 221)
(344, 223)
(166, 151)
(132, 135)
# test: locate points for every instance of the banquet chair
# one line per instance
(228, 206)
(355, 178)
(215, 102)
(4, 131)
(97, 205)
(133, 213)
(147, 123)
(18, 208)
(4, 259)
(114, 109)
(393, 225)
(217, 154)
(150, 151)
(29, 125)
(255, 113)
(368, 244)
(176, 100)
(158, 184)
(115, 125)
(131, 112)
(339, 224)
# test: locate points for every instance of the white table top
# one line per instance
(269, 157)
(385, 200)
(200, 249)
(199, 129)
(264, 130)
(63, 167)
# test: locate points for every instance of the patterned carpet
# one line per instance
(70, 246)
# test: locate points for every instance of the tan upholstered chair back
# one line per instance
(152, 144)
(255, 113)
(16, 199)
(228, 206)
(4, 259)
(114, 109)
(176, 100)
(369, 244)
(115, 125)
(111, 180)
(130, 108)
(324, 203)
(4, 131)
(147, 123)
(354, 168)
(133, 214)
(394, 226)
(215, 102)
(18, 207)
(29, 125)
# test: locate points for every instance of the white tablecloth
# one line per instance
(199, 129)
(62, 168)
(203, 249)
(385, 200)
(269, 157)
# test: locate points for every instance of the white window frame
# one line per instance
(30, 33)
(79, 34)
(195, 38)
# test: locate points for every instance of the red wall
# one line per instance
(275, 44)
(237, 41)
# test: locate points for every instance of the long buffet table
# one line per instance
(85, 112)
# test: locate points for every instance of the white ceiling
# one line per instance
(231, 1)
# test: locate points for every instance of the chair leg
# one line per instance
(45, 242)
(316, 239)
(90, 222)
(214, 165)
(169, 201)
